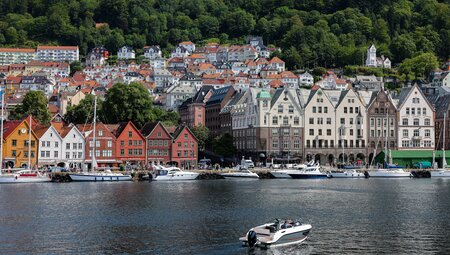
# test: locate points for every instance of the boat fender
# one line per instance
(366, 174)
(251, 238)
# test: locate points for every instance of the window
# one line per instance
(130, 151)
(68, 154)
(280, 108)
(68, 145)
(122, 143)
(345, 109)
(109, 144)
(130, 142)
(372, 133)
(413, 111)
(275, 120)
(56, 144)
(427, 133)
(48, 143)
(296, 132)
(158, 134)
(296, 144)
(320, 121)
(372, 122)
(185, 136)
(42, 154)
(286, 144)
(379, 122)
(80, 155)
(285, 120)
(311, 120)
(308, 143)
(314, 109)
(405, 143)
(275, 131)
(100, 133)
(296, 120)
(424, 111)
(130, 134)
(275, 144)
(291, 109)
(376, 110)
(328, 121)
(55, 154)
(328, 132)
(351, 131)
(427, 122)
(405, 122)
(416, 122)
(166, 143)
(416, 100)
(351, 109)
(122, 152)
(416, 132)
(14, 142)
(325, 109)
(407, 111)
(418, 111)
(405, 133)
(311, 132)
(351, 121)
(43, 143)
(47, 154)
(427, 143)
(342, 121)
(320, 109)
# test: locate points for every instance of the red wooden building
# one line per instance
(130, 144)
(184, 148)
(105, 149)
(158, 143)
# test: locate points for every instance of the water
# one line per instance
(409, 216)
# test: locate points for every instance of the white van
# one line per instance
(247, 164)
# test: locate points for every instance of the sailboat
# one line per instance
(444, 171)
(23, 176)
(387, 172)
(94, 175)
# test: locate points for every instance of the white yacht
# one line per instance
(281, 232)
(342, 173)
(440, 173)
(242, 173)
(311, 172)
(389, 173)
(172, 174)
(24, 176)
(298, 168)
(107, 175)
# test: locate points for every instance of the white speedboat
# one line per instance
(172, 174)
(243, 173)
(107, 175)
(440, 173)
(388, 173)
(345, 174)
(284, 173)
(24, 176)
(310, 172)
(281, 232)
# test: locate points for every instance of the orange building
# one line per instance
(15, 143)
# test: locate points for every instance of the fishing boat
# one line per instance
(172, 174)
(95, 175)
(278, 233)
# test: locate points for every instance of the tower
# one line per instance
(371, 59)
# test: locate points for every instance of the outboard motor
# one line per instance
(251, 238)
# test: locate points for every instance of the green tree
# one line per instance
(84, 111)
(201, 133)
(403, 47)
(75, 67)
(36, 104)
(223, 145)
(419, 66)
(240, 23)
(127, 102)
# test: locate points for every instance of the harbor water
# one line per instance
(361, 216)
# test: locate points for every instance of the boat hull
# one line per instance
(346, 175)
(19, 179)
(99, 178)
(280, 175)
(389, 174)
(240, 175)
(288, 239)
(175, 177)
(440, 173)
(308, 176)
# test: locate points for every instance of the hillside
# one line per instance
(311, 32)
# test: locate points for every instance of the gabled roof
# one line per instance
(442, 106)
(148, 128)
(178, 131)
(405, 93)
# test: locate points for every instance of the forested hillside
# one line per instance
(310, 32)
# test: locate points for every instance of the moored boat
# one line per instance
(388, 173)
(24, 176)
(345, 174)
(243, 173)
(280, 232)
(172, 174)
(442, 173)
(107, 175)
(312, 172)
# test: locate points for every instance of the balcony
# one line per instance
(417, 137)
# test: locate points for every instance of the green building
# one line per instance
(407, 158)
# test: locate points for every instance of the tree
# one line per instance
(403, 47)
(36, 104)
(74, 67)
(127, 102)
(201, 133)
(419, 66)
(223, 145)
(84, 111)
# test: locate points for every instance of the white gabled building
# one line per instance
(415, 120)
(73, 146)
(126, 52)
(152, 52)
(50, 143)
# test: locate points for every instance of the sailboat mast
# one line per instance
(386, 136)
(94, 140)
(443, 143)
(29, 144)
(1, 135)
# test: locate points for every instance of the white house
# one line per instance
(373, 61)
(189, 46)
(415, 120)
(306, 79)
(152, 52)
(179, 52)
(126, 53)
(73, 148)
(50, 144)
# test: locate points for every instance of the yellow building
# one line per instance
(15, 143)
